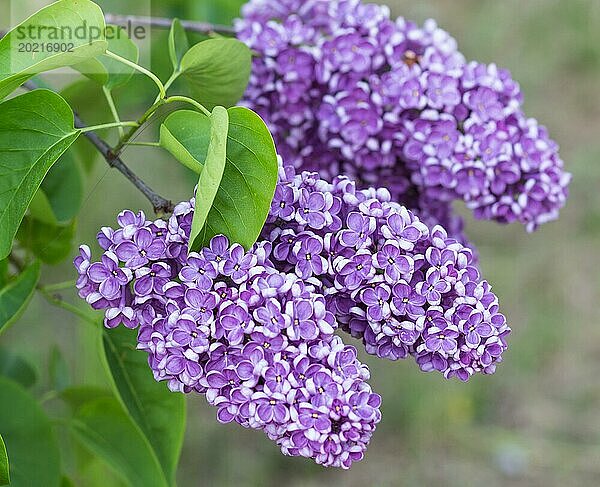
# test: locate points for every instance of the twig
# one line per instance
(165, 23)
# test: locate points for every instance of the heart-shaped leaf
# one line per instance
(159, 413)
(35, 129)
(16, 294)
(82, 18)
(241, 205)
(217, 71)
(244, 198)
(27, 431)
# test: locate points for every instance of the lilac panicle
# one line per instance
(401, 287)
(255, 331)
(257, 342)
(347, 90)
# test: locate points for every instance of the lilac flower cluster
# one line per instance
(257, 342)
(404, 289)
(346, 90)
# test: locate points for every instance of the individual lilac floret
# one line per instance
(347, 90)
(404, 289)
(259, 343)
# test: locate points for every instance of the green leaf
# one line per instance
(210, 177)
(17, 67)
(4, 468)
(243, 201)
(241, 205)
(217, 71)
(15, 296)
(15, 367)
(63, 187)
(33, 449)
(103, 426)
(50, 243)
(35, 129)
(178, 44)
(58, 370)
(159, 413)
(244, 198)
(185, 134)
(108, 71)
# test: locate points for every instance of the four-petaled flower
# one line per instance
(309, 260)
(394, 263)
(109, 275)
(143, 248)
(433, 287)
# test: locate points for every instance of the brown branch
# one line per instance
(165, 23)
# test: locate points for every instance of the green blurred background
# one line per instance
(537, 420)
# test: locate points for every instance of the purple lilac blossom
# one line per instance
(401, 287)
(254, 331)
(226, 323)
(347, 90)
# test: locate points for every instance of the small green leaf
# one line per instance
(49, 243)
(42, 27)
(186, 134)
(15, 367)
(210, 177)
(178, 44)
(244, 198)
(159, 413)
(241, 205)
(27, 431)
(4, 468)
(15, 296)
(217, 71)
(63, 187)
(103, 426)
(35, 129)
(58, 370)
(108, 71)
